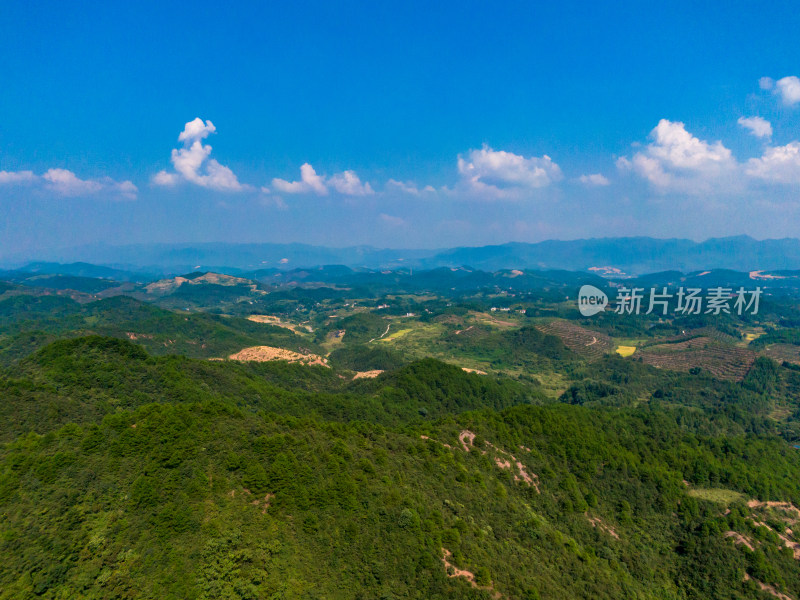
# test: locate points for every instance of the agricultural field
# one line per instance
(722, 360)
(783, 352)
(588, 343)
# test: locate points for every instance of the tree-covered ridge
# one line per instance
(270, 480)
(27, 322)
(202, 500)
(81, 379)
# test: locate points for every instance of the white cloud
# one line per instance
(349, 184)
(766, 83)
(309, 182)
(504, 174)
(196, 130)
(788, 88)
(679, 162)
(779, 164)
(166, 179)
(761, 128)
(596, 179)
(16, 177)
(346, 183)
(408, 187)
(678, 149)
(125, 188)
(193, 163)
(65, 183)
(676, 160)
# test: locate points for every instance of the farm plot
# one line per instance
(716, 334)
(723, 361)
(783, 352)
(589, 344)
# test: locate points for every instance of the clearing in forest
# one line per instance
(273, 320)
(269, 353)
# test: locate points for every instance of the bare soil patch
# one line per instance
(367, 374)
(738, 538)
(476, 371)
(466, 438)
(453, 571)
(602, 526)
(268, 353)
(768, 588)
(272, 320)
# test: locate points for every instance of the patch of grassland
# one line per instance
(718, 495)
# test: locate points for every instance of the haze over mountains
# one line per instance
(634, 255)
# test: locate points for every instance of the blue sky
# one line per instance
(456, 124)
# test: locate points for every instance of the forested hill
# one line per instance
(124, 475)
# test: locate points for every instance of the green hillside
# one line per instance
(26, 319)
(131, 476)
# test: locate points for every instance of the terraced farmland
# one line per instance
(704, 333)
(589, 344)
(723, 361)
(783, 352)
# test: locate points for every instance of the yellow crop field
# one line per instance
(396, 335)
(626, 350)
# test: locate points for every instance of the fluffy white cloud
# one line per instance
(346, 183)
(676, 148)
(349, 184)
(166, 179)
(677, 160)
(193, 163)
(596, 179)
(779, 164)
(196, 130)
(309, 183)
(789, 90)
(16, 177)
(65, 183)
(504, 174)
(761, 128)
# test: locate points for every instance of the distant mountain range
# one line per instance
(630, 256)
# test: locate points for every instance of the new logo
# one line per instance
(591, 300)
